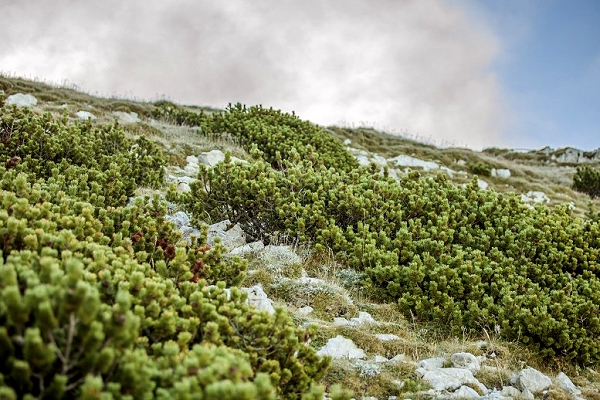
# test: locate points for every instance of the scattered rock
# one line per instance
(246, 249)
(231, 236)
(363, 318)
(259, 299)
(563, 381)
(21, 100)
(380, 359)
(180, 219)
(450, 379)
(304, 310)
(407, 161)
(399, 358)
(465, 392)
(510, 391)
(466, 361)
(347, 142)
(432, 363)
(126, 118)
(85, 115)
(213, 157)
(501, 173)
(387, 337)
(340, 347)
(483, 185)
(535, 197)
(532, 380)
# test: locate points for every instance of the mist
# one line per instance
(415, 67)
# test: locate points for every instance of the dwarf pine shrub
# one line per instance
(587, 180)
(99, 159)
(99, 300)
(459, 256)
(275, 133)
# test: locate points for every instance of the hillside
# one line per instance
(158, 250)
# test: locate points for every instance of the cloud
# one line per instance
(418, 66)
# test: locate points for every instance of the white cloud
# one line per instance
(417, 66)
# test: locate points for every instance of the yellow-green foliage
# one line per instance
(587, 180)
(99, 300)
(275, 133)
(456, 255)
(104, 164)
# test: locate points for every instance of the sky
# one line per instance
(472, 73)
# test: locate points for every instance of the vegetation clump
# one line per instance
(460, 256)
(275, 133)
(99, 299)
(587, 180)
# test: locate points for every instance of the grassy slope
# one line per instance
(529, 172)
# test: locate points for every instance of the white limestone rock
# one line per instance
(213, 157)
(127, 117)
(304, 311)
(379, 160)
(362, 319)
(483, 185)
(341, 347)
(510, 391)
(407, 161)
(501, 173)
(532, 380)
(188, 232)
(179, 219)
(466, 361)
(535, 197)
(259, 299)
(250, 248)
(465, 392)
(183, 187)
(347, 142)
(380, 359)
(21, 100)
(432, 363)
(387, 337)
(85, 115)
(399, 358)
(231, 237)
(450, 379)
(563, 381)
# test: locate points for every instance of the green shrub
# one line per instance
(462, 257)
(587, 180)
(277, 134)
(99, 300)
(480, 168)
(98, 158)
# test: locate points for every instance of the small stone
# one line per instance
(399, 358)
(387, 337)
(21, 100)
(432, 363)
(305, 310)
(179, 219)
(563, 381)
(466, 361)
(532, 380)
(381, 359)
(465, 392)
(126, 118)
(340, 347)
(250, 248)
(85, 115)
(259, 299)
